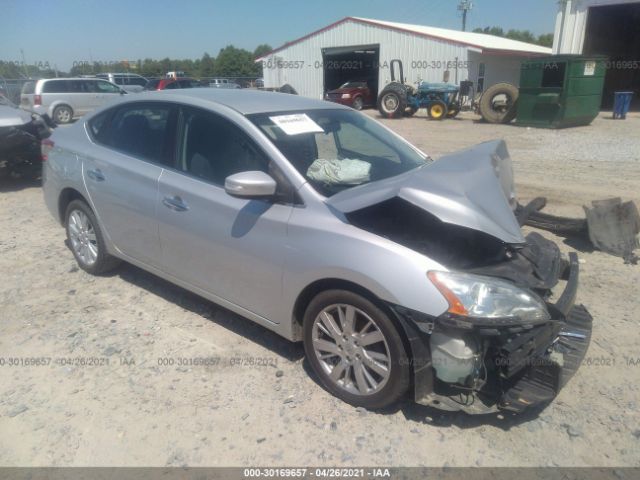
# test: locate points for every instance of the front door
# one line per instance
(230, 247)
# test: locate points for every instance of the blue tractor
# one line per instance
(397, 99)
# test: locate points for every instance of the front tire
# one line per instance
(358, 103)
(86, 240)
(437, 110)
(355, 349)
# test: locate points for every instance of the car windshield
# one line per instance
(353, 85)
(338, 149)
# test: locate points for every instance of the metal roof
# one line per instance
(484, 42)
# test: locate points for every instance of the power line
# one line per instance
(464, 6)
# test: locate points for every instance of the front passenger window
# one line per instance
(214, 148)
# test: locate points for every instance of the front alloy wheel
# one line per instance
(351, 349)
(355, 349)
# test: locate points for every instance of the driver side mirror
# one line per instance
(252, 184)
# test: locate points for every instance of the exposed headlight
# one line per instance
(346, 95)
(488, 298)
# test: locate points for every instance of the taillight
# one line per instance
(46, 146)
(37, 100)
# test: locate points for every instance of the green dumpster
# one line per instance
(560, 91)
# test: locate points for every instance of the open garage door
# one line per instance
(614, 31)
(347, 64)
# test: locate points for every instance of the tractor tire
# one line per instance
(410, 111)
(453, 112)
(499, 112)
(392, 101)
(437, 110)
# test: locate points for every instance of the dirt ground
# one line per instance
(115, 390)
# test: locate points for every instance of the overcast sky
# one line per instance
(63, 31)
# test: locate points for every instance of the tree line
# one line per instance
(545, 40)
(230, 62)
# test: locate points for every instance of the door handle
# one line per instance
(175, 203)
(95, 175)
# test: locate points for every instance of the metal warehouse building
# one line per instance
(362, 49)
(603, 27)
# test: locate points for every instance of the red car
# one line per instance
(171, 83)
(353, 94)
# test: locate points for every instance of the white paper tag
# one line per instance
(589, 69)
(296, 124)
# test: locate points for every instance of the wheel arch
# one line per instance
(68, 195)
(313, 289)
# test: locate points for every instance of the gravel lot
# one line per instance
(256, 404)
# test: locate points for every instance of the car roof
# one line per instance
(94, 79)
(244, 101)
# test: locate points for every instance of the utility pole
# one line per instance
(464, 6)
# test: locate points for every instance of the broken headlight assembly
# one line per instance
(477, 300)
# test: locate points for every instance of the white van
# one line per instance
(64, 99)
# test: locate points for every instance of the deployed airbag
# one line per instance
(339, 172)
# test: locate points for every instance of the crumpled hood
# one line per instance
(472, 188)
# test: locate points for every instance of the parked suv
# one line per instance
(64, 99)
(127, 81)
(222, 83)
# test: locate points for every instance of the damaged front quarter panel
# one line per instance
(459, 211)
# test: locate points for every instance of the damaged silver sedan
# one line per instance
(399, 274)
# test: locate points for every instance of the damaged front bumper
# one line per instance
(513, 367)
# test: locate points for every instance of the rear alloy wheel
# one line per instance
(86, 240)
(355, 349)
(437, 110)
(62, 114)
(358, 103)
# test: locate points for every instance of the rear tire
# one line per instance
(355, 349)
(62, 114)
(392, 101)
(358, 103)
(495, 111)
(86, 240)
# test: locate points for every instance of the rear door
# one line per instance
(121, 172)
(231, 247)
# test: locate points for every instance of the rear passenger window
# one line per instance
(214, 148)
(140, 130)
(56, 86)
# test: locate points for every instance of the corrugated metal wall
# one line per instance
(414, 51)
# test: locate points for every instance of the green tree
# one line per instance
(235, 62)
(207, 66)
(261, 50)
(545, 40)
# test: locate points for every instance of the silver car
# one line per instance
(398, 273)
(64, 99)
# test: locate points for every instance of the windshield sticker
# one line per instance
(296, 124)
